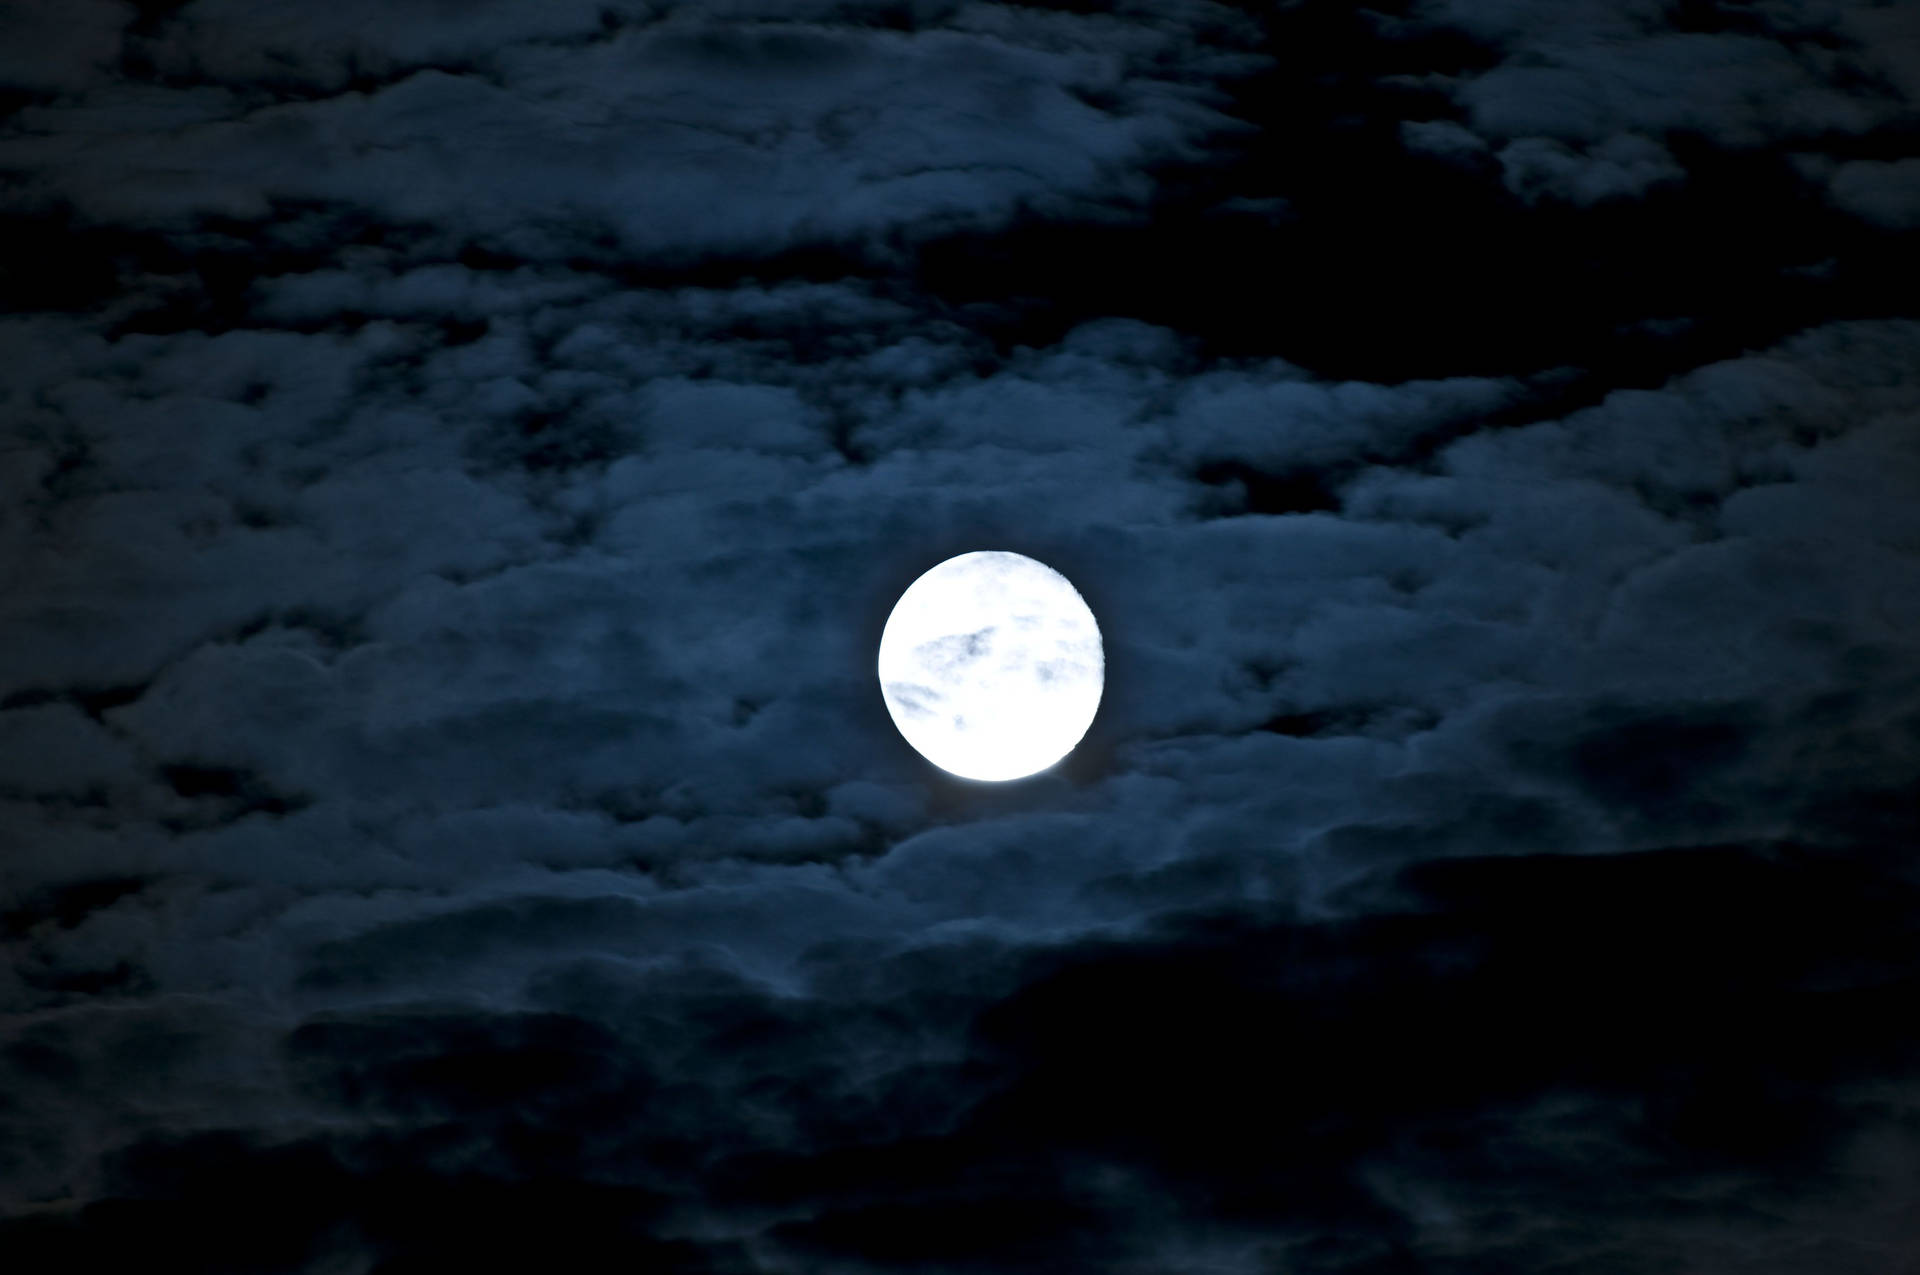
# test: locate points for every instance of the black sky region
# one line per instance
(457, 460)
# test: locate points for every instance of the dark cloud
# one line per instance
(456, 470)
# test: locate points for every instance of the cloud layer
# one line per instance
(456, 474)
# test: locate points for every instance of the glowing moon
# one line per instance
(991, 666)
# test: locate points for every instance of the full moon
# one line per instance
(991, 666)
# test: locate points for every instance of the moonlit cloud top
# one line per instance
(991, 666)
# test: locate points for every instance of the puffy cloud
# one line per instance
(1885, 193)
(1582, 73)
(1443, 138)
(673, 139)
(1621, 167)
(1586, 103)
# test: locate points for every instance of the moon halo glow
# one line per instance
(991, 666)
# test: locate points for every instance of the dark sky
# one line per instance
(457, 461)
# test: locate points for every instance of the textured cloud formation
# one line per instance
(456, 472)
(667, 134)
(1742, 76)
(1885, 193)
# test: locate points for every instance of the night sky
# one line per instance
(456, 460)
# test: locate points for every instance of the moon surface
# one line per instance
(991, 665)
